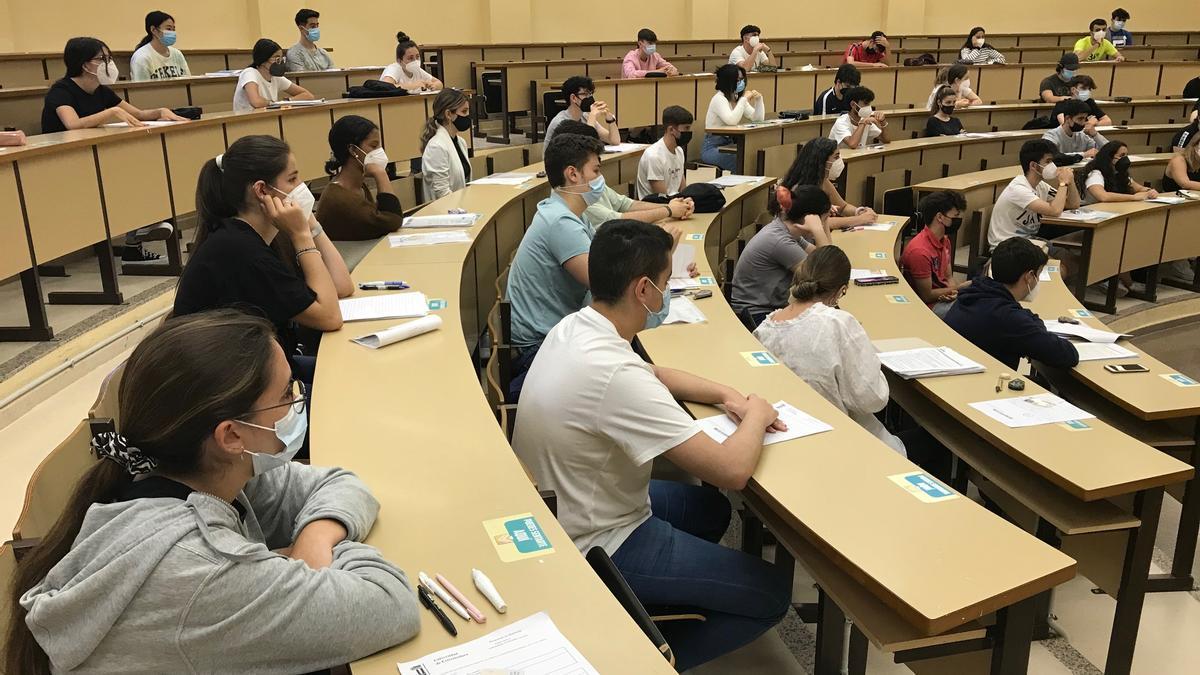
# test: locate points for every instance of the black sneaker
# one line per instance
(159, 232)
(138, 255)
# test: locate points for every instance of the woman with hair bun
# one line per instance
(347, 210)
(407, 72)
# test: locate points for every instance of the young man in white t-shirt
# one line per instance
(1043, 190)
(862, 125)
(753, 52)
(593, 418)
(661, 168)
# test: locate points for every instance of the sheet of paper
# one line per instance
(730, 180)
(684, 284)
(878, 227)
(1086, 215)
(685, 254)
(928, 362)
(222, 73)
(1031, 411)
(623, 147)
(1167, 199)
(1081, 331)
(428, 238)
(799, 424)
(150, 123)
(281, 104)
(509, 178)
(1044, 275)
(866, 274)
(899, 344)
(976, 134)
(531, 646)
(683, 310)
(404, 331)
(385, 306)
(1094, 351)
(447, 220)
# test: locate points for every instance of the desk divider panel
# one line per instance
(187, 151)
(252, 124)
(59, 225)
(14, 245)
(307, 132)
(134, 198)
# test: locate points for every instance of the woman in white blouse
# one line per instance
(407, 72)
(826, 346)
(263, 83)
(445, 166)
(730, 106)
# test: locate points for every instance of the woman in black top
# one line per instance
(943, 122)
(82, 99)
(1183, 169)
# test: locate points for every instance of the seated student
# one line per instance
(1192, 88)
(955, 77)
(1096, 46)
(1076, 136)
(582, 105)
(1117, 33)
(444, 164)
(861, 125)
(826, 346)
(406, 71)
(645, 59)
(943, 122)
(832, 101)
(347, 210)
(819, 163)
(753, 52)
(1057, 87)
(765, 268)
(977, 51)
(1043, 190)
(1106, 177)
(730, 106)
(262, 82)
(1180, 140)
(871, 52)
(1082, 87)
(661, 168)
(928, 258)
(155, 57)
(245, 198)
(1183, 169)
(593, 418)
(194, 517)
(305, 54)
(989, 314)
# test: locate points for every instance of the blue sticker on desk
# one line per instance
(517, 537)
(1180, 380)
(708, 281)
(923, 486)
(897, 299)
(878, 255)
(1081, 314)
(1076, 425)
(759, 359)
(695, 237)
(1051, 268)
(435, 304)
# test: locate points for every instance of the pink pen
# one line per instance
(471, 609)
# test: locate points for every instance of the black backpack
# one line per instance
(707, 198)
(375, 89)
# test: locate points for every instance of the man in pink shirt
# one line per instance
(646, 59)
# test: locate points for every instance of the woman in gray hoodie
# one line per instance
(194, 545)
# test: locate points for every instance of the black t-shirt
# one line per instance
(235, 267)
(1056, 85)
(1093, 110)
(1185, 134)
(936, 127)
(827, 103)
(1192, 88)
(66, 92)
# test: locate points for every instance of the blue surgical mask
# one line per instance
(1083, 94)
(290, 430)
(1068, 74)
(314, 34)
(595, 190)
(650, 49)
(168, 38)
(741, 86)
(656, 319)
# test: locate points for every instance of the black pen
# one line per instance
(431, 605)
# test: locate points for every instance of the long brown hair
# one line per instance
(449, 99)
(221, 189)
(189, 375)
(821, 274)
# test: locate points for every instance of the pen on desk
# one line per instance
(383, 286)
(432, 606)
(489, 591)
(445, 597)
(462, 599)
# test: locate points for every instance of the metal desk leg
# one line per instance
(1180, 578)
(741, 154)
(1085, 261)
(831, 629)
(1012, 637)
(110, 295)
(1041, 602)
(1132, 593)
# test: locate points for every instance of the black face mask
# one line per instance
(278, 69)
(955, 223)
(462, 123)
(948, 109)
(585, 103)
(1076, 128)
(1123, 164)
(685, 137)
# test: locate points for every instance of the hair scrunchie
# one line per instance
(220, 159)
(113, 446)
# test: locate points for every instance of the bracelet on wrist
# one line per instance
(311, 249)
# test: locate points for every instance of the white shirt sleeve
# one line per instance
(1094, 178)
(282, 84)
(842, 129)
(392, 71)
(641, 417)
(435, 168)
(865, 387)
(737, 55)
(728, 114)
(759, 111)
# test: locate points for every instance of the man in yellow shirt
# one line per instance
(1097, 47)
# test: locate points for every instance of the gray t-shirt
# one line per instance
(764, 271)
(1076, 143)
(299, 58)
(558, 119)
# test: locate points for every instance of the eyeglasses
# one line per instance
(299, 400)
(103, 59)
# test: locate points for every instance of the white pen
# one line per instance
(443, 595)
(489, 591)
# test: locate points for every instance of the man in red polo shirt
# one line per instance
(872, 52)
(928, 257)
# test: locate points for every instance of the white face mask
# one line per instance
(1099, 35)
(836, 168)
(1033, 293)
(1119, 25)
(978, 42)
(108, 73)
(290, 430)
(376, 157)
(866, 111)
(412, 66)
(1049, 172)
(753, 40)
(300, 196)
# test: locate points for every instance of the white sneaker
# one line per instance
(157, 232)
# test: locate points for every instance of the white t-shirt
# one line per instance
(1011, 216)
(964, 91)
(401, 76)
(147, 64)
(593, 416)
(739, 54)
(271, 90)
(843, 128)
(659, 163)
(1093, 178)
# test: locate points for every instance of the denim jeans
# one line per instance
(710, 152)
(520, 368)
(304, 368)
(674, 561)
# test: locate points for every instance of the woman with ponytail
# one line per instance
(347, 209)
(194, 544)
(407, 72)
(155, 57)
(444, 164)
(826, 346)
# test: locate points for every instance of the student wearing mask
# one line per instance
(872, 52)
(820, 163)
(661, 167)
(989, 314)
(861, 125)
(1096, 46)
(1106, 177)
(595, 416)
(305, 54)
(832, 101)
(1117, 33)
(406, 72)
(155, 57)
(193, 516)
(1057, 87)
(582, 105)
(1180, 140)
(730, 106)
(262, 82)
(1082, 87)
(1192, 88)
(1183, 169)
(928, 257)
(1043, 190)
(645, 59)
(765, 268)
(943, 122)
(955, 77)
(753, 52)
(347, 210)
(245, 199)
(826, 346)
(977, 51)
(444, 163)
(1075, 136)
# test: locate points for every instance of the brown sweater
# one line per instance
(347, 216)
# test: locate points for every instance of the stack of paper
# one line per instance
(388, 306)
(878, 227)
(928, 362)
(284, 104)
(448, 220)
(1093, 351)
(623, 147)
(799, 424)
(866, 274)
(1086, 215)
(730, 180)
(1168, 199)
(1081, 331)
(404, 331)
(504, 179)
(683, 310)
(149, 123)
(428, 238)
(1031, 411)
(685, 255)
(533, 646)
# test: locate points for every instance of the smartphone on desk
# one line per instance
(1119, 368)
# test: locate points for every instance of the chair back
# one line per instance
(604, 568)
(107, 404)
(8, 572)
(53, 482)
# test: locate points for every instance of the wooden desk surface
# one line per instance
(1004, 174)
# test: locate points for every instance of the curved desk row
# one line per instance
(24, 69)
